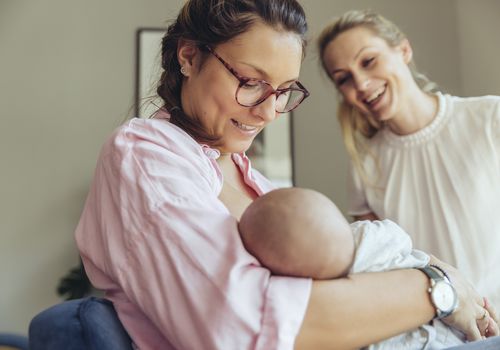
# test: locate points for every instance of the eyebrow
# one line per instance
(355, 57)
(264, 73)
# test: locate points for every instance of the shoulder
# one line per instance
(157, 133)
(157, 140)
(485, 105)
(157, 152)
(475, 113)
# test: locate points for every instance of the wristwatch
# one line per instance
(443, 294)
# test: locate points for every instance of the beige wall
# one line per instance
(479, 48)
(66, 80)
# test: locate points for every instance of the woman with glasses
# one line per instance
(158, 232)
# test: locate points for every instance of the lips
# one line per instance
(375, 96)
(244, 127)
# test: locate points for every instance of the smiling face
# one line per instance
(208, 90)
(372, 76)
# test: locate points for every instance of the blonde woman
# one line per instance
(424, 159)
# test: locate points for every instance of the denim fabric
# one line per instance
(81, 324)
(13, 340)
(92, 324)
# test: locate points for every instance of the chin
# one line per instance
(380, 116)
(385, 117)
(242, 146)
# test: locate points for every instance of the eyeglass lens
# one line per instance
(254, 92)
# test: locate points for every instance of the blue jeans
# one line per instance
(91, 323)
(13, 340)
(80, 324)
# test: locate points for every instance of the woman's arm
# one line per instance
(364, 308)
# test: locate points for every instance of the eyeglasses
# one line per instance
(251, 92)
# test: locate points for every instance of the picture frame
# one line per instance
(271, 152)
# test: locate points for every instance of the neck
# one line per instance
(419, 110)
(226, 165)
(225, 159)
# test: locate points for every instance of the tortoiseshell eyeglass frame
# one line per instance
(269, 90)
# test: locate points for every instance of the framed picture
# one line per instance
(272, 150)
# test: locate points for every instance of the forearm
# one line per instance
(364, 309)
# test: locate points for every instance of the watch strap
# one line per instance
(436, 277)
(431, 272)
(442, 271)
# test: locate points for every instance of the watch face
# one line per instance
(443, 296)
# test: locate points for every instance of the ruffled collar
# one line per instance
(424, 134)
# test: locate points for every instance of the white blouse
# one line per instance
(442, 185)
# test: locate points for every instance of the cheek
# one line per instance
(222, 93)
(216, 99)
(224, 107)
(391, 68)
(348, 93)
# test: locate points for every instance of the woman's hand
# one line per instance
(469, 317)
(488, 324)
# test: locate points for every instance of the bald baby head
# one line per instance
(298, 232)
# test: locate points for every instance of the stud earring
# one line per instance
(184, 71)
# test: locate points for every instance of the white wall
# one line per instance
(66, 80)
(320, 158)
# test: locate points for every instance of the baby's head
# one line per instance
(298, 232)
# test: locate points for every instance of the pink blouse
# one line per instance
(155, 237)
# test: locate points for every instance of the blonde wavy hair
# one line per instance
(357, 128)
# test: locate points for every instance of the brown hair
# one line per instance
(357, 128)
(213, 22)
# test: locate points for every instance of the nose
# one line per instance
(361, 81)
(266, 110)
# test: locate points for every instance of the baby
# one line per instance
(300, 232)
